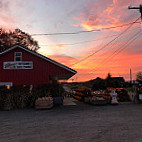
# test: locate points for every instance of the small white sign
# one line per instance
(140, 96)
(18, 65)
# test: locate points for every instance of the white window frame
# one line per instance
(17, 56)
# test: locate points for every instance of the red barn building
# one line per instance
(21, 66)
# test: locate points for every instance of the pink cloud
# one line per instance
(64, 59)
(13, 13)
(101, 14)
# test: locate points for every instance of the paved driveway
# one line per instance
(75, 123)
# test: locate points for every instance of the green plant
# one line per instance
(40, 91)
(56, 89)
(131, 89)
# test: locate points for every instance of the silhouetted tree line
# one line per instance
(16, 37)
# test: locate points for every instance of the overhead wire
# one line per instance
(80, 32)
(81, 42)
(111, 55)
(87, 41)
(106, 44)
(120, 49)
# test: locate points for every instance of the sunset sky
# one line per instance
(73, 50)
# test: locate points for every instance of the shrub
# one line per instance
(39, 92)
(18, 97)
(6, 99)
(56, 89)
(139, 77)
(21, 96)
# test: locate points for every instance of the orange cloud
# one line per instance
(66, 60)
(114, 1)
(60, 46)
(87, 26)
(119, 65)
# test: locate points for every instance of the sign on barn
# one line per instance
(18, 65)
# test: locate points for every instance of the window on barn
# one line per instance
(18, 56)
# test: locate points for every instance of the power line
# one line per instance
(106, 44)
(106, 61)
(80, 32)
(82, 41)
(76, 43)
(117, 50)
(132, 40)
(120, 49)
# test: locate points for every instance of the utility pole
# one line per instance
(140, 9)
(130, 76)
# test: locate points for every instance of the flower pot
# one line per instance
(58, 100)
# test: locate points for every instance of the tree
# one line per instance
(118, 82)
(99, 84)
(139, 77)
(16, 37)
(109, 81)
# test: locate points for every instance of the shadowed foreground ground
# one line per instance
(78, 123)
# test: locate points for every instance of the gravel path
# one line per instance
(77, 123)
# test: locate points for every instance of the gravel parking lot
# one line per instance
(73, 123)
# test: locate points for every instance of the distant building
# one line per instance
(118, 81)
(22, 66)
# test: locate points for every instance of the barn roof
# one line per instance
(41, 56)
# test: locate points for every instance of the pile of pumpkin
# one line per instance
(83, 92)
(80, 93)
(122, 95)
